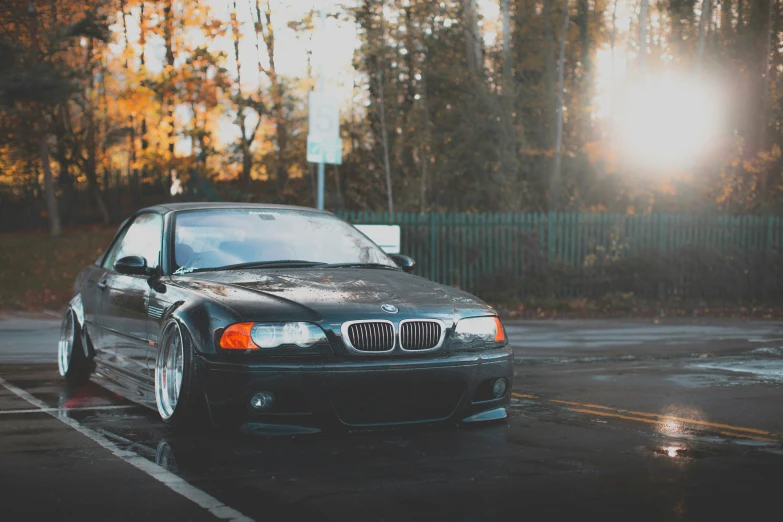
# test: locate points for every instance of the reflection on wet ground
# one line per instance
(648, 431)
(549, 447)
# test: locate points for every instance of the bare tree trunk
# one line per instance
(586, 80)
(765, 93)
(384, 136)
(132, 153)
(549, 67)
(725, 16)
(642, 41)
(613, 58)
(43, 135)
(382, 108)
(473, 37)
(90, 145)
(704, 27)
(245, 141)
(142, 58)
(51, 200)
(423, 147)
(554, 195)
(168, 35)
(510, 160)
(266, 30)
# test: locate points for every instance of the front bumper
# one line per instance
(359, 393)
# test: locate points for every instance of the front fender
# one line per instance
(204, 321)
(78, 309)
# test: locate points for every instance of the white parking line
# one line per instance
(170, 480)
(68, 410)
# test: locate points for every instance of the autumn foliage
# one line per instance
(459, 105)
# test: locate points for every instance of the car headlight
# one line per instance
(255, 336)
(478, 332)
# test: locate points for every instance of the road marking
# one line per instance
(170, 480)
(650, 421)
(744, 436)
(605, 414)
(68, 410)
(655, 418)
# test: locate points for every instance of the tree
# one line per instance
(556, 174)
(244, 107)
(265, 32)
(36, 76)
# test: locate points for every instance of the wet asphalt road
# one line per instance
(620, 420)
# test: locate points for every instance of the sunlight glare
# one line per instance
(667, 121)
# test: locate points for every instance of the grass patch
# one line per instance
(38, 271)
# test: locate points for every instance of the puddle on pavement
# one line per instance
(549, 361)
(703, 380)
(768, 350)
(682, 452)
(766, 370)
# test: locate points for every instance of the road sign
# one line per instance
(324, 150)
(324, 115)
(323, 140)
(385, 236)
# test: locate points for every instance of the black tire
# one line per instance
(189, 408)
(73, 363)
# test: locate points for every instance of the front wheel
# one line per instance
(178, 393)
(72, 360)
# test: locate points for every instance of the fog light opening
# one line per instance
(262, 401)
(499, 388)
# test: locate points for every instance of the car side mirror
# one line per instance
(406, 263)
(132, 265)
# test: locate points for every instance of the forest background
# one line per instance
(630, 107)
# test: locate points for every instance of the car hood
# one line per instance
(334, 295)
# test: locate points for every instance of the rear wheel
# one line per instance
(72, 361)
(178, 392)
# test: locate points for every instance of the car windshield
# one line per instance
(215, 239)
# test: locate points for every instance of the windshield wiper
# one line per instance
(360, 265)
(286, 263)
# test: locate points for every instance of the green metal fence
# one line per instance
(578, 253)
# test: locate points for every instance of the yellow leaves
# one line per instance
(667, 187)
(595, 151)
(762, 161)
(547, 153)
(602, 152)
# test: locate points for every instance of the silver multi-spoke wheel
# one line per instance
(169, 369)
(65, 346)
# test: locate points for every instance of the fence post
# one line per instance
(433, 246)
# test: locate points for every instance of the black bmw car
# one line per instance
(279, 316)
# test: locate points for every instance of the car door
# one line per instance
(95, 297)
(125, 299)
(92, 296)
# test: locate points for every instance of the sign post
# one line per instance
(323, 138)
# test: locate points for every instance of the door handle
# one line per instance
(102, 285)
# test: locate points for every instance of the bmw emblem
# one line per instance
(390, 308)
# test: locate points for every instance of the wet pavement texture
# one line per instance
(609, 420)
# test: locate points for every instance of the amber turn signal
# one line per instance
(237, 337)
(500, 335)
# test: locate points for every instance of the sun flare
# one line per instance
(666, 121)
